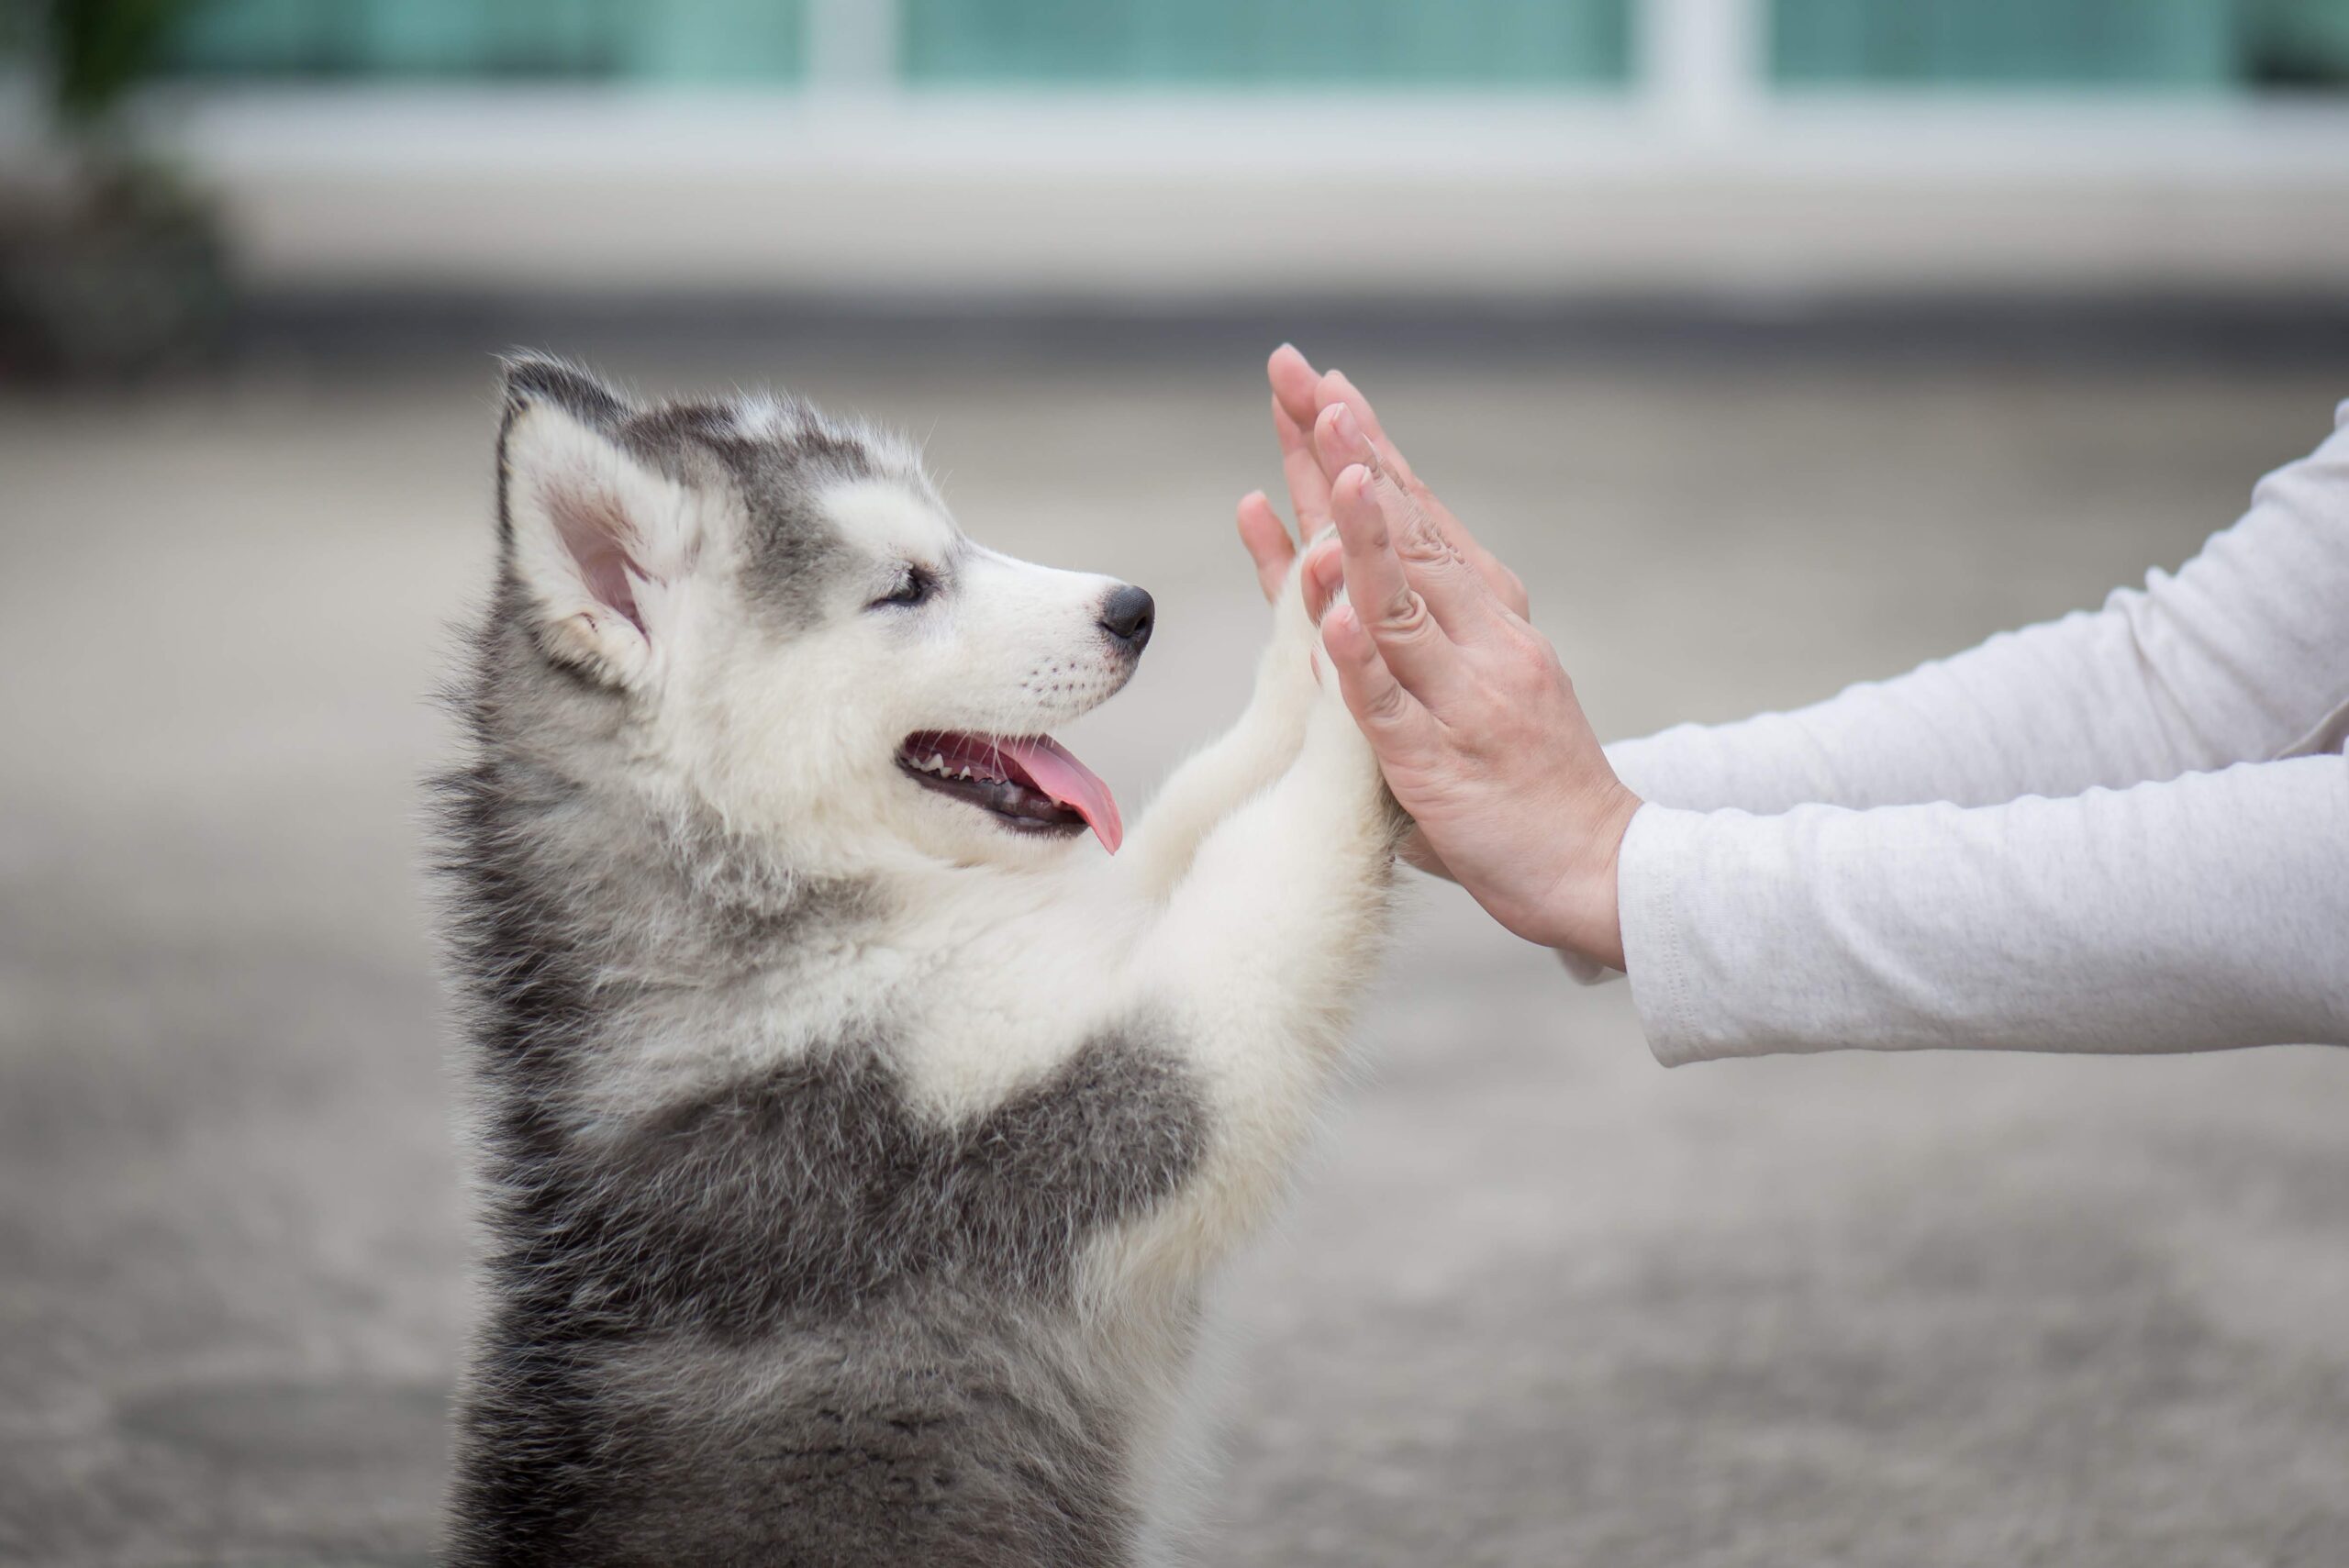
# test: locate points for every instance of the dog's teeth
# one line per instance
(939, 765)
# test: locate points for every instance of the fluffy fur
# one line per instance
(850, 1158)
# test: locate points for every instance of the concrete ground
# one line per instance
(1539, 1303)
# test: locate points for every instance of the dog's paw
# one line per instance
(1292, 626)
(1291, 669)
(1343, 755)
(1330, 728)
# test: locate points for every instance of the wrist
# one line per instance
(1585, 904)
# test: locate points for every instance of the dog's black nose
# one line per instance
(1126, 615)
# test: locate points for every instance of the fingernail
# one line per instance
(1347, 430)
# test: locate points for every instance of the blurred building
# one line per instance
(1129, 151)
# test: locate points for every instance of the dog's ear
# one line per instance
(598, 539)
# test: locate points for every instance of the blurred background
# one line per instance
(1779, 343)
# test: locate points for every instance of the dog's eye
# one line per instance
(917, 585)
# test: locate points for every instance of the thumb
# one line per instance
(1266, 537)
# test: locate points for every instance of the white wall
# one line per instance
(1698, 181)
(1196, 198)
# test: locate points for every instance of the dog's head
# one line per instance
(774, 613)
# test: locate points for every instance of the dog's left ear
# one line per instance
(598, 539)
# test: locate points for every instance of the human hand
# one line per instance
(1301, 396)
(1474, 720)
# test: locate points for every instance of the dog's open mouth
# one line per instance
(1030, 780)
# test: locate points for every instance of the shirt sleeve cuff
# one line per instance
(1658, 859)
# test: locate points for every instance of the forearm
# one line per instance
(1218, 778)
(1210, 785)
(2206, 912)
(2237, 657)
(2052, 709)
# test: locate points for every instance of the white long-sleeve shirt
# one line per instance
(2126, 831)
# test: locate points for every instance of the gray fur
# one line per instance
(775, 453)
(776, 1316)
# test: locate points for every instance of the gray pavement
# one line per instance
(1539, 1302)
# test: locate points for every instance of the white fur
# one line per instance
(568, 478)
(1242, 919)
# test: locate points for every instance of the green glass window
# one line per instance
(664, 39)
(1211, 42)
(1894, 44)
(2182, 44)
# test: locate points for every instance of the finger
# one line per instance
(1410, 638)
(1399, 728)
(1456, 592)
(1294, 380)
(1324, 574)
(1506, 585)
(1308, 487)
(1261, 530)
(1335, 390)
(1338, 443)
(1340, 438)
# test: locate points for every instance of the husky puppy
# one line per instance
(855, 1134)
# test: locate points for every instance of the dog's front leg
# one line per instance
(1256, 963)
(1218, 778)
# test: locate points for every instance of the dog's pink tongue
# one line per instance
(1052, 769)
